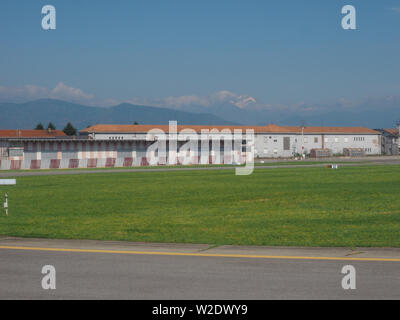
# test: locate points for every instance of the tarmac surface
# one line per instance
(87, 269)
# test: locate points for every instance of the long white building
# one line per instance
(270, 141)
(138, 145)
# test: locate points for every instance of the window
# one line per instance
(326, 139)
(265, 151)
(305, 139)
(346, 139)
(336, 139)
(316, 140)
(243, 145)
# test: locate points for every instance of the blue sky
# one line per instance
(283, 52)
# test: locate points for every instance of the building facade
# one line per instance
(141, 145)
(390, 141)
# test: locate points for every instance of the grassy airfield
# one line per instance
(352, 207)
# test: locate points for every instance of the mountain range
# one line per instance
(382, 113)
(372, 113)
(27, 115)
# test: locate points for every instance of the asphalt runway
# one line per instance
(117, 270)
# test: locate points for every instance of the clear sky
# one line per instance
(280, 52)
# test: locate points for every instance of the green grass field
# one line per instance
(352, 206)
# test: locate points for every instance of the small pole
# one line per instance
(6, 204)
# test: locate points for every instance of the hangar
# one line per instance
(106, 145)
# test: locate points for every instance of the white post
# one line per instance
(6, 204)
(7, 182)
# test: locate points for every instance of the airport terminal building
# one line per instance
(141, 145)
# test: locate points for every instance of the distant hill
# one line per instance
(27, 115)
(382, 113)
(378, 113)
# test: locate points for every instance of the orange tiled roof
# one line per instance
(31, 133)
(271, 128)
(392, 131)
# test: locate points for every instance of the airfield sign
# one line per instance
(7, 182)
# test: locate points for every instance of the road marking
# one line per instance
(197, 254)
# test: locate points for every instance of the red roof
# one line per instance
(394, 131)
(271, 128)
(31, 133)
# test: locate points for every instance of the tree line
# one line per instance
(69, 129)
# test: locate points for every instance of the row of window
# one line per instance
(274, 139)
(306, 139)
(347, 139)
(275, 151)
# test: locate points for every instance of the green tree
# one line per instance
(39, 126)
(135, 123)
(69, 129)
(51, 126)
